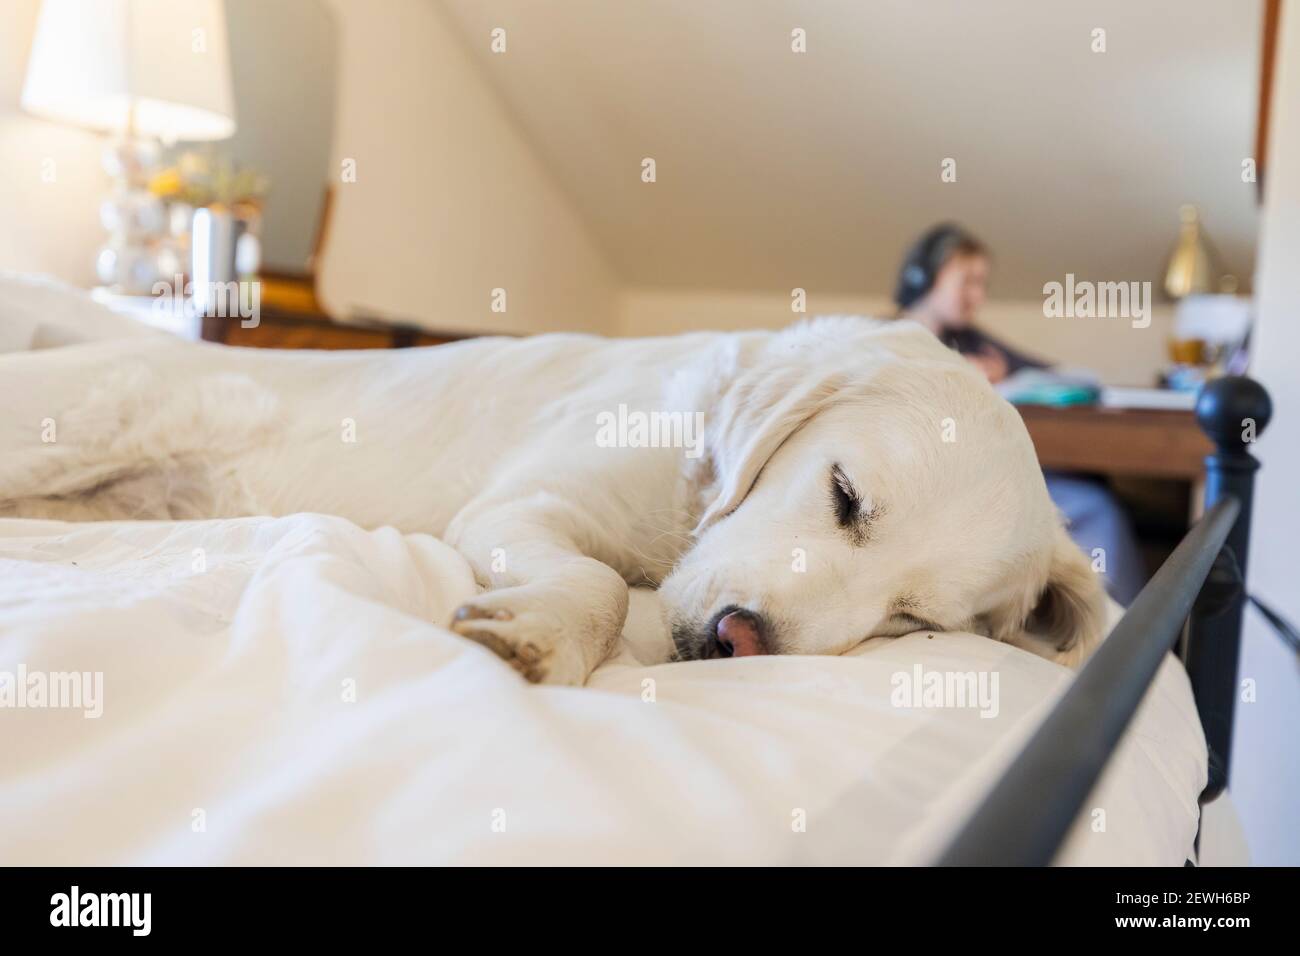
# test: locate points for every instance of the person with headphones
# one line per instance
(942, 285)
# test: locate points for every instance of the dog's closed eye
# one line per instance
(848, 504)
(845, 497)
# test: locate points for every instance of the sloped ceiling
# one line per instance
(777, 169)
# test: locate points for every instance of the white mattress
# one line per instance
(227, 735)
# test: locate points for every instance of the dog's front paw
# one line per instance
(517, 627)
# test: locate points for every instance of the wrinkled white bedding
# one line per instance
(282, 691)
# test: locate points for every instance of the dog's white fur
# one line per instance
(491, 444)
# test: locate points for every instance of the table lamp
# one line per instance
(143, 71)
(1191, 264)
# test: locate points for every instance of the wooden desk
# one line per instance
(1129, 443)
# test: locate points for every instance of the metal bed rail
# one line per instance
(1028, 813)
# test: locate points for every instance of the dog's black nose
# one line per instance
(736, 633)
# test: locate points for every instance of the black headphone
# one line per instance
(925, 259)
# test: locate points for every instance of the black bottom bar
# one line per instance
(441, 909)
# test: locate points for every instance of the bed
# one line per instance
(282, 691)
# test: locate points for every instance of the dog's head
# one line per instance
(868, 482)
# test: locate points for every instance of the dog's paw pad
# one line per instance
(492, 628)
(528, 654)
(526, 658)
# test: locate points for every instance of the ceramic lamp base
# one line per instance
(136, 220)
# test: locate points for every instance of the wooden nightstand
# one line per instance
(292, 318)
(280, 329)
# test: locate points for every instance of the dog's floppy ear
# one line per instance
(1066, 620)
(762, 408)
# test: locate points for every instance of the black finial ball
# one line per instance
(1233, 411)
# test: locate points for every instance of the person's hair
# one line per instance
(928, 255)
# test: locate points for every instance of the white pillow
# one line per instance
(40, 312)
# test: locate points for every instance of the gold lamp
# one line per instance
(1191, 266)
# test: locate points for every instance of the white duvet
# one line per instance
(281, 691)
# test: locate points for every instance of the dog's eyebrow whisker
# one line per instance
(670, 536)
(669, 511)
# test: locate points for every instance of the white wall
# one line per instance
(1118, 353)
(450, 201)
(1266, 758)
(778, 169)
(284, 62)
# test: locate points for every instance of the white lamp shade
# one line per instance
(158, 67)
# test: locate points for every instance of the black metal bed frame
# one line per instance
(1026, 816)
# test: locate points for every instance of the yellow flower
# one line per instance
(166, 183)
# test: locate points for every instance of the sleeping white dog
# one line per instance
(849, 479)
